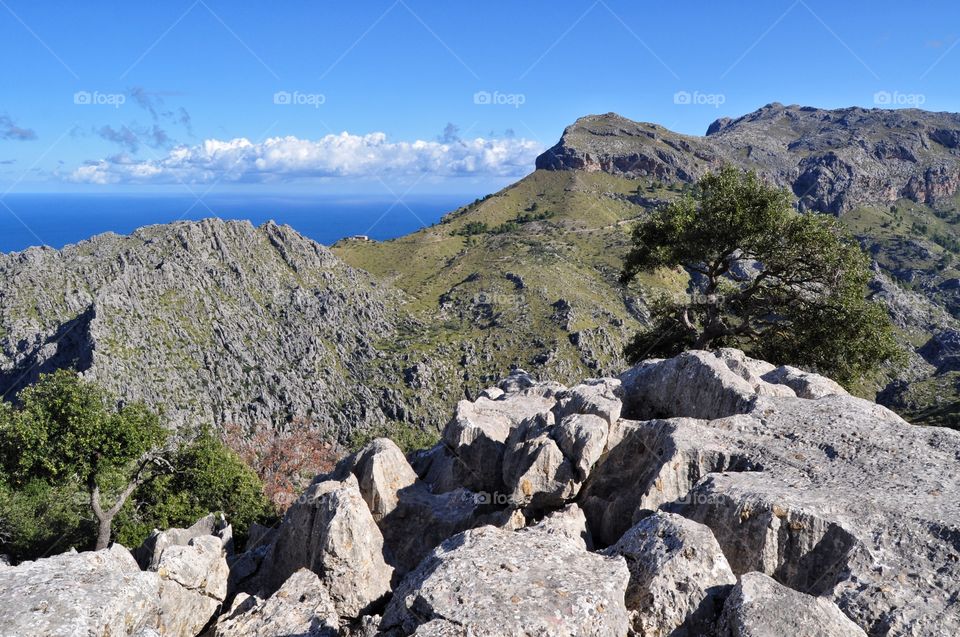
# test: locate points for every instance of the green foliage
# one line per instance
(207, 477)
(788, 287)
(65, 436)
(472, 228)
(65, 430)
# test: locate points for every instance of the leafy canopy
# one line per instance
(788, 287)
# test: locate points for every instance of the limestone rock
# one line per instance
(199, 566)
(760, 607)
(493, 582)
(805, 384)
(569, 522)
(91, 593)
(331, 531)
(300, 607)
(381, 470)
(678, 576)
(597, 396)
(148, 554)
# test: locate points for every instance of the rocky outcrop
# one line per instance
(493, 582)
(79, 594)
(759, 607)
(302, 607)
(331, 531)
(832, 160)
(106, 592)
(834, 513)
(678, 576)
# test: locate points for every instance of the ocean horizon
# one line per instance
(59, 219)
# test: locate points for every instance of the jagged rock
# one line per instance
(535, 471)
(381, 470)
(678, 576)
(597, 396)
(494, 582)
(760, 607)
(331, 531)
(569, 522)
(473, 441)
(184, 612)
(661, 460)
(148, 554)
(753, 371)
(582, 439)
(91, 593)
(422, 520)
(300, 607)
(804, 384)
(199, 566)
(694, 384)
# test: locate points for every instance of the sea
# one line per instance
(59, 219)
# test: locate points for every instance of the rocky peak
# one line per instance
(832, 160)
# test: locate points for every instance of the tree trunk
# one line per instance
(103, 533)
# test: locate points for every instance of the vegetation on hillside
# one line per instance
(788, 287)
(78, 470)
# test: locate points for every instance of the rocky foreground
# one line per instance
(708, 494)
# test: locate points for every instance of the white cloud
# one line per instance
(290, 158)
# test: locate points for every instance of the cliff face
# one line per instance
(832, 160)
(213, 321)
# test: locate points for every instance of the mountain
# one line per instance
(223, 322)
(213, 321)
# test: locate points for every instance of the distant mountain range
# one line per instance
(224, 322)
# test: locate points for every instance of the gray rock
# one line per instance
(422, 520)
(760, 607)
(381, 470)
(569, 522)
(300, 607)
(474, 439)
(148, 554)
(494, 582)
(805, 384)
(694, 384)
(200, 566)
(92, 593)
(331, 531)
(535, 471)
(597, 396)
(678, 576)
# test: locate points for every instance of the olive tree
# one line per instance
(786, 286)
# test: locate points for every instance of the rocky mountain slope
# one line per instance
(708, 494)
(223, 322)
(210, 322)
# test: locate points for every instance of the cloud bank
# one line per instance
(280, 159)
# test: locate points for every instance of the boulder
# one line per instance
(582, 438)
(199, 566)
(148, 554)
(491, 582)
(381, 470)
(91, 593)
(759, 607)
(678, 576)
(331, 531)
(804, 384)
(471, 454)
(421, 520)
(695, 384)
(535, 472)
(301, 607)
(596, 396)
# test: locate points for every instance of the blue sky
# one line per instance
(418, 96)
